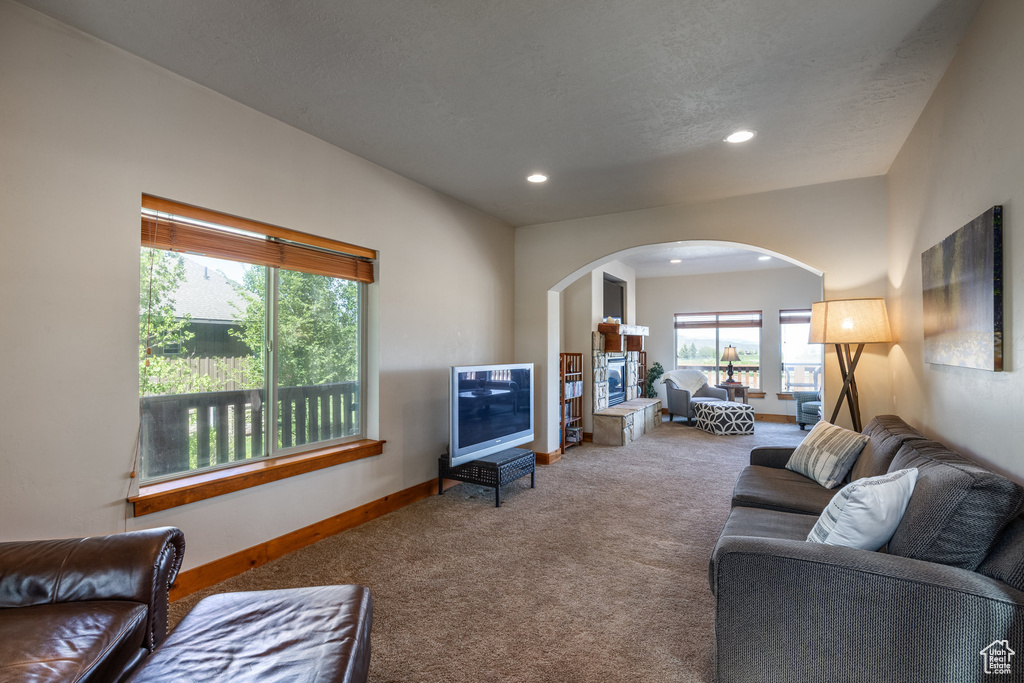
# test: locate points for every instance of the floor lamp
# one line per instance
(844, 322)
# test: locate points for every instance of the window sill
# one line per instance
(755, 394)
(785, 396)
(189, 489)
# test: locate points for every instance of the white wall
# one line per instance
(582, 308)
(85, 129)
(769, 291)
(836, 228)
(965, 155)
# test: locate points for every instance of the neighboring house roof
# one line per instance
(207, 295)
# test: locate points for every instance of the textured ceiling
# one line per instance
(623, 104)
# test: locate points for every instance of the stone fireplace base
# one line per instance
(625, 423)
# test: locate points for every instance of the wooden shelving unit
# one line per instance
(642, 375)
(570, 393)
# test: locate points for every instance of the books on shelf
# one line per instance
(573, 389)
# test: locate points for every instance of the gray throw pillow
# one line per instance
(826, 454)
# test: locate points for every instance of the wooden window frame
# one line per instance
(163, 495)
(267, 245)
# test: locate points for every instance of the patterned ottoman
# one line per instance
(725, 417)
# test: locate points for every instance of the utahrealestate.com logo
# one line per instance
(997, 657)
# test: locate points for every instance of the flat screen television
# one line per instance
(490, 409)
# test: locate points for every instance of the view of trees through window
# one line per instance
(701, 338)
(214, 334)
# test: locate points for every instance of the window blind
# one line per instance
(180, 227)
(720, 319)
(795, 316)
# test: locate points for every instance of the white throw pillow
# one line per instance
(865, 514)
(827, 453)
(687, 380)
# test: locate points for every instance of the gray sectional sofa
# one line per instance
(948, 586)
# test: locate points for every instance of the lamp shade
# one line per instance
(729, 354)
(850, 321)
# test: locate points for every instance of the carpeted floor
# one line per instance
(598, 574)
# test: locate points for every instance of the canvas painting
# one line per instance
(963, 297)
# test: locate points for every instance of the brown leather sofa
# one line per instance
(85, 609)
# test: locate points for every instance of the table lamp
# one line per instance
(729, 354)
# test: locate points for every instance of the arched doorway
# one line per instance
(725, 272)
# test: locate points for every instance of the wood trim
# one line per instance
(176, 235)
(755, 394)
(214, 572)
(189, 489)
(548, 458)
(198, 213)
(768, 417)
(785, 396)
(588, 437)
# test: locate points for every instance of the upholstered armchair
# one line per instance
(808, 407)
(686, 388)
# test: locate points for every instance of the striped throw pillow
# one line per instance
(865, 514)
(827, 453)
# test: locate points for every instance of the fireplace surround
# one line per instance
(616, 380)
(628, 378)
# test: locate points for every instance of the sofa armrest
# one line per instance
(771, 456)
(678, 402)
(709, 391)
(802, 397)
(139, 566)
(792, 610)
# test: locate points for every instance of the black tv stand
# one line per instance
(494, 470)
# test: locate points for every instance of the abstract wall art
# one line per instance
(963, 295)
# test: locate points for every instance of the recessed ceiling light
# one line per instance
(537, 178)
(741, 136)
(764, 258)
(676, 260)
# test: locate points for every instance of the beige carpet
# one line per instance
(598, 574)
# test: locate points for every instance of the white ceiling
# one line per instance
(698, 259)
(623, 104)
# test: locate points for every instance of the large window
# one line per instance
(701, 338)
(801, 361)
(250, 341)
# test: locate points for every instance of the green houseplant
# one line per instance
(653, 373)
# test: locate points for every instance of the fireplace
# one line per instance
(616, 380)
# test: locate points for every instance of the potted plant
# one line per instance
(653, 373)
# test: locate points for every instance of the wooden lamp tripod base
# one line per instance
(847, 365)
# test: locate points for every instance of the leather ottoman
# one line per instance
(300, 635)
